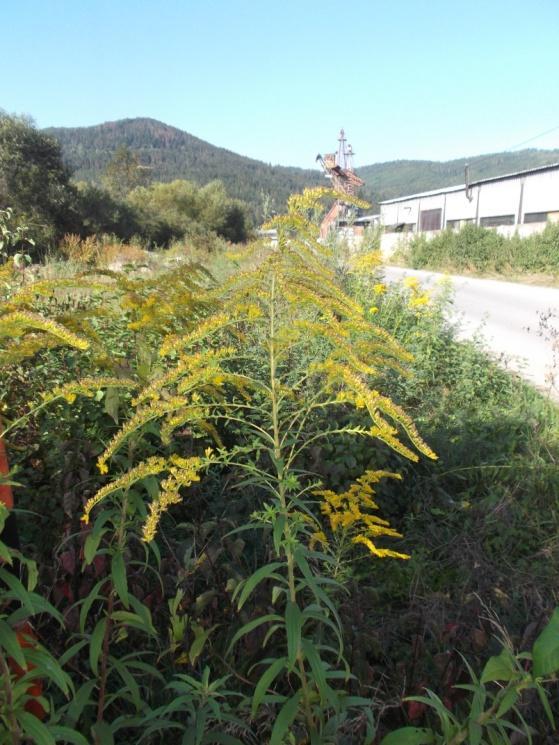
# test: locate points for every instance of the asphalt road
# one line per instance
(508, 317)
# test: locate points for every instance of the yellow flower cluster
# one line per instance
(356, 391)
(379, 288)
(86, 387)
(206, 328)
(183, 472)
(366, 262)
(418, 297)
(150, 467)
(349, 512)
(19, 322)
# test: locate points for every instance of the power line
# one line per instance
(478, 160)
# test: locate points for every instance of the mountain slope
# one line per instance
(400, 177)
(172, 154)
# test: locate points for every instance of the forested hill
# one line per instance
(400, 177)
(174, 154)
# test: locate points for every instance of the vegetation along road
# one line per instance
(519, 323)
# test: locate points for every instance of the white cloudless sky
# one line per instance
(276, 80)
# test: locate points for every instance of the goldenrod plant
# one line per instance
(286, 349)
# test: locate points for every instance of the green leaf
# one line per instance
(112, 400)
(200, 638)
(88, 602)
(66, 734)
(81, 699)
(8, 640)
(258, 576)
(250, 626)
(134, 620)
(509, 699)
(72, 652)
(35, 729)
(96, 643)
(268, 676)
(545, 651)
(545, 703)
(50, 668)
(92, 544)
(103, 733)
(285, 718)
(118, 574)
(318, 671)
(501, 667)
(18, 589)
(129, 681)
(409, 736)
(293, 628)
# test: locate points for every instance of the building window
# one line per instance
(453, 224)
(430, 219)
(535, 217)
(495, 220)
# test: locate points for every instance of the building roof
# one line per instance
(460, 187)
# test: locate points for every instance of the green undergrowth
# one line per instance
(238, 620)
(484, 251)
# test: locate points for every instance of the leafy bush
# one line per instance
(484, 250)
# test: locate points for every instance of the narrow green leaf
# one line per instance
(50, 668)
(118, 574)
(103, 733)
(509, 699)
(318, 670)
(546, 648)
(250, 626)
(8, 640)
(18, 589)
(409, 736)
(88, 602)
(201, 636)
(129, 681)
(72, 652)
(81, 699)
(35, 729)
(258, 576)
(92, 544)
(96, 643)
(545, 703)
(261, 688)
(285, 718)
(293, 628)
(66, 734)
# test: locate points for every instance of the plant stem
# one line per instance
(14, 727)
(103, 675)
(280, 469)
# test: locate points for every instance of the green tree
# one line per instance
(186, 208)
(34, 182)
(124, 173)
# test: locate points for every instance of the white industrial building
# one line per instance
(520, 202)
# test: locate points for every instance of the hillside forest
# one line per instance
(250, 493)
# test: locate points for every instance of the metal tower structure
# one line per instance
(338, 167)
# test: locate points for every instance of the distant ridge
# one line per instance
(172, 153)
(398, 178)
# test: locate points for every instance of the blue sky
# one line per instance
(275, 80)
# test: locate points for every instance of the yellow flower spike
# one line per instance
(150, 467)
(379, 288)
(412, 283)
